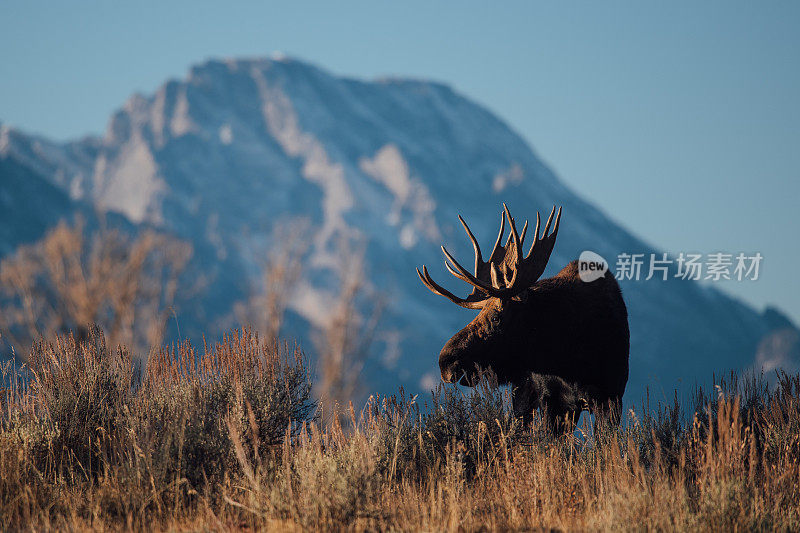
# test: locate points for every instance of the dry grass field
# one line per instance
(229, 437)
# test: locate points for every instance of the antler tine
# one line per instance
(541, 248)
(434, 287)
(555, 228)
(495, 275)
(501, 292)
(549, 220)
(431, 285)
(465, 274)
(475, 246)
(515, 236)
(521, 235)
(535, 236)
(456, 273)
(497, 244)
(509, 283)
(505, 276)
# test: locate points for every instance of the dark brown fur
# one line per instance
(561, 402)
(560, 326)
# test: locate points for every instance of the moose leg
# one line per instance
(523, 404)
(527, 395)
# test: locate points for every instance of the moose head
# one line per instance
(500, 283)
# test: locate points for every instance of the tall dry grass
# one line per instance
(226, 438)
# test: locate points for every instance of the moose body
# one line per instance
(561, 326)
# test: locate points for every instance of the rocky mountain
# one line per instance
(222, 156)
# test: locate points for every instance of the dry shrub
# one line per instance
(91, 434)
(343, 343)
(71, 279)
(255, 385)
(226, 439)
(281, 270)
(459, 462)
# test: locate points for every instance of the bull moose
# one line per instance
(574, 331)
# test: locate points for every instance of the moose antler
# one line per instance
(507, 273)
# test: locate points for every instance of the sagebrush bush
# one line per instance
(416, 435)
(228, 438)
(87, 416)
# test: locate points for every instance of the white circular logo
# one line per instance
(591, 266)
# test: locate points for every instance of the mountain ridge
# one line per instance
(219, 157)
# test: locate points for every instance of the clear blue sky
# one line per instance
(680, 120)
